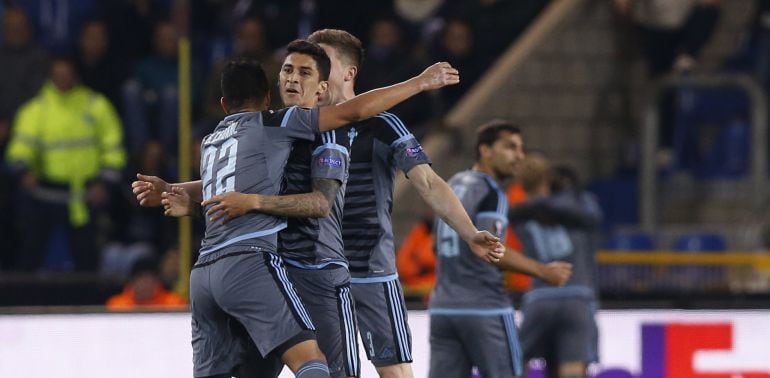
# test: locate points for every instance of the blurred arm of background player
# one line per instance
(440, 197)
(555, 273)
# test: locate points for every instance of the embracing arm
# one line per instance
(316, 204)
(378, 100)
(555, 273)
(149, 189)
(551, 211)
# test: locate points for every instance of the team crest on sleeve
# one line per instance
(498, 227)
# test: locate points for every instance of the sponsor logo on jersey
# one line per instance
(414, 151)
(328, 161)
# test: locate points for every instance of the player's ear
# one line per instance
(323, 86)
(351, 73)
(485, 150)
(268, 100)
(223, 104)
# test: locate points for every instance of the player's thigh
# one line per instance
(575, 332)
(382, 321)
(493, 345)
(216, 349)
(448, 357)
(536, 329)
(326, 294)
(255, 289)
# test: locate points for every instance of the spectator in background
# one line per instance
(514, 281)
(145, 290)
(496, 23)
(672, 33)
(150, 98)
(416, 259)
(250, 42)
(58, 22)
(22, 72)
(96, 66)
(22, 67)
(131, 24)
(456, 45)
(66, 144)
(560, 221)
(388, 60)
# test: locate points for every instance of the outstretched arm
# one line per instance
(316, 204)
(555, 273)
(440, 197)
(378, 100)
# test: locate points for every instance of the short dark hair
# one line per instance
(313, 50)
(243, 81)
(564, 177)
(348, 46)
(489, 132)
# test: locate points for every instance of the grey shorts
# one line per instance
(326, 295)
(559, 330)
(460, 341)
(235, 294)
(382, 319)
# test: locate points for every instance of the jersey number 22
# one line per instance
(217, 177)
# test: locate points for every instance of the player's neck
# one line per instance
(479, 167)
(348, 92)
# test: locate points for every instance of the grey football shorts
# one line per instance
(382, 320)
(250, 289)
(327, 297)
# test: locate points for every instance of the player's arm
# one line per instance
(177, 203)
(440, 197)
(555, 273)
(378, 100)
(316, 204)
(149, 189)
(548, 210)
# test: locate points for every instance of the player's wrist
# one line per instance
(255, 202)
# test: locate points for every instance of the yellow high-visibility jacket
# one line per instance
(67, 138)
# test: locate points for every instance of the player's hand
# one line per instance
(487, 246)
(228, 206)
(148, 189)
(438, 75)
(177, 202)
(556, 273)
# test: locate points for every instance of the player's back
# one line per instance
(576, 243)
(247, 153)
(463, 279)
(379, 146)
(314, 242)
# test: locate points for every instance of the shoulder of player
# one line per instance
(280, 117)
(389, 125)
(335, 139)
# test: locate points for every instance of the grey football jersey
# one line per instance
(464, 280)
(247, 153)
(571, 233)
(378, 146)
(315, 242)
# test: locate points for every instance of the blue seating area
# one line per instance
(711, 132)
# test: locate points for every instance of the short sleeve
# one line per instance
(489, 216)
(331, 156)
(405, 150)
